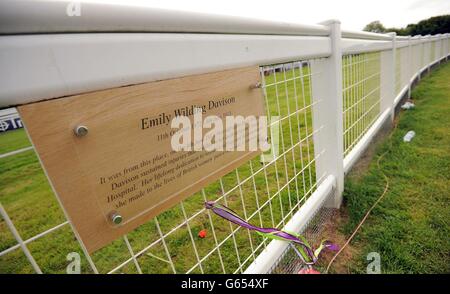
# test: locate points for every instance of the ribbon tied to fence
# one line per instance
(309, 255)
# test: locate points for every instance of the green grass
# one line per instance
(13, 140)
(410, 228)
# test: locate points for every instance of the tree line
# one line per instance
(433, 25)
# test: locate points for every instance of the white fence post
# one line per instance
(429, 53)
(328, 113)
(447, 46)
(410, 66)
(388, 77)
(443, 40)
(417, 56)
(439, 49)
(394, 72)
(447, 51)
(424, 51)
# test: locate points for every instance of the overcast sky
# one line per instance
(353, 14)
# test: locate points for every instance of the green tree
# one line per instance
(433, 25)
(375, 27)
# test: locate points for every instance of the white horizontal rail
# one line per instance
(37, 67)
(44, 66)
(299, 220)
(353, 46)
(364, 35)
(49, 16)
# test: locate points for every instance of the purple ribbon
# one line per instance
(231, 216)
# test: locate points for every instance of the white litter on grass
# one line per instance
(409, 135)
(408, 105)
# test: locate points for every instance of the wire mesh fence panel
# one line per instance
(264, 192)
(361, 94)
(316, 230)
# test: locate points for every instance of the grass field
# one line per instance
(13, 140)
(410, 228)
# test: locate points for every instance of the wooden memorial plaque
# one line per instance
(125, 164)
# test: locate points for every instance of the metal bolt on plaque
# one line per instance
(81, 131)
(116, 218)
